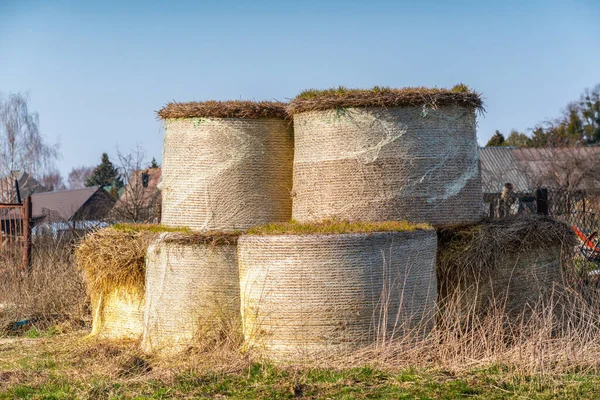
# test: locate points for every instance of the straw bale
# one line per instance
(192, 293)
(226, 174)
(512, 264)
(306, 296)
(225, 109)
(375, 164)
(112, 262)
(341, 97)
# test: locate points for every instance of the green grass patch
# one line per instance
(152, 228)
(334, 226)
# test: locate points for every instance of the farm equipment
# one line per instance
(590, 246)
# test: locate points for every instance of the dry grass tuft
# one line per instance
(53, 292)
(479, 245)
(225, 109)
(341, 97)
(335, 226)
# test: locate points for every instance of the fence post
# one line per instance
(27, 227)
(541, 198)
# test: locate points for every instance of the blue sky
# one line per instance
(97, 71)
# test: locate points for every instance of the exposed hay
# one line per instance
(511, 265)
(481, 245)
(341, 97)
(114, 257)
(225, 109)
(335, 226)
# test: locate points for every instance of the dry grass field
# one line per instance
(552, 352)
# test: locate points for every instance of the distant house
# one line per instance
(141, 199)
(68, 209)
(531, 168)
(520, 172)
(17, 186)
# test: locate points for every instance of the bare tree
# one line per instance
(22, 147)
(78, 176)
(53, 181)
(140, 201)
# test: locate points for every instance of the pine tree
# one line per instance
(496, 140)
(105, 174)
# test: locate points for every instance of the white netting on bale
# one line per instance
(118, 314)
(226, 174)
(192, 293)
(306, 296)
(375, 164)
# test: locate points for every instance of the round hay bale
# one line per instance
(386, 154)
(226, 168)
(192, 291)
(113, 266)
(506, 266)
(316, 295)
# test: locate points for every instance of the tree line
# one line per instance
(578, 124)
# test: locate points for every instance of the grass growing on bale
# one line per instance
(335, 226)
(481, 244)
(341, 97)
(209, 238)
(225, 109)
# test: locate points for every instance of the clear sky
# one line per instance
(97, 71)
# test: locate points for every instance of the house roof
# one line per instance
(27, 186)
(63, 204)
(530, 168)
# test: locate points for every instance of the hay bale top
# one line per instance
(201, 238)
(336, 227)
(341, 97)
(225, 109)
(482, 244)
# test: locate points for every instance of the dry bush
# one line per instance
(52, 291)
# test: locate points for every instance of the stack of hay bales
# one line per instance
(387, 154)
(113, 266)
(227, 166)
(508, 265)
(317, 290)
(364, 156)
(193, 291)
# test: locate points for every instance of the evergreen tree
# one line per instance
(105, 174)
(517, 139)
(496, 140)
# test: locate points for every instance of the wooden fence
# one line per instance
(15, 234)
